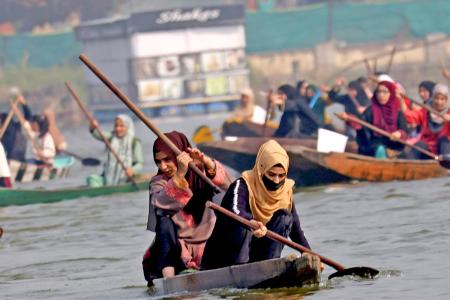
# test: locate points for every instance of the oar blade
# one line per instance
(363, 272)
(445, 161)
(90, 161)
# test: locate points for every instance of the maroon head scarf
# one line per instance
(202, 192)
(385, 116)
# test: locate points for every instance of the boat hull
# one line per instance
(22, 172)
(240, 155)
(281, 272)
(24, 197)
(247, 129)
(366, 168)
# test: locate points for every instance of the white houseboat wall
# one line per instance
(191, 59)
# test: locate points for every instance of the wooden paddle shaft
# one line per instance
(103, 137)
(22, 123)
(7, 120)
(268, 113)
(429, 108)
(141, 115)
(387, 134)
(274, 236)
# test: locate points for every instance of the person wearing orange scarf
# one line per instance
(263, 195)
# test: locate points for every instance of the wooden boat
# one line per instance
(22, 172)
(240, 155)
(281, 272)
(247, 129)
(25, 197)
(366, 168)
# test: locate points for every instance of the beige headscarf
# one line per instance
(264, 203)
(245, 113)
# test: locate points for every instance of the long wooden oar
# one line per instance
(22, 121)
(391, 59)
(103, 137)
(85, 161)
(341, 270)
(443, 160)
(269, 107)
(143, 117)
(429, 108)
(7, 121)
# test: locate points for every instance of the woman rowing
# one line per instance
(435, 130)
(127, 147)
(385, 114)
(177, 212)
(263, 195)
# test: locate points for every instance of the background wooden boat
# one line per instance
(25, 197)
(247, 129)
(281, 272)
(367, 168)
(240, 155)
(25, 172)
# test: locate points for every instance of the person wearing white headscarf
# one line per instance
(126, 146)
(248, 110)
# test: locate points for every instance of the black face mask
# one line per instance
(270, 185)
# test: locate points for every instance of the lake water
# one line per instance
(91, 248)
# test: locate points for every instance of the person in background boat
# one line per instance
(302, 85)
(263, 195)
(42, 141)
(5, 174)
(298, 120)
(126, 145)
(426, 92)
(177, 212)
(350, 101)
(316, 102)
(435, 130)
(248, 110)
(14, 140)
(365, 93)
(385, 114)
(60, 141)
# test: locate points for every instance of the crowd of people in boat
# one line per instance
(21, 129)
(380, 101)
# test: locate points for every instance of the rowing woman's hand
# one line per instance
(261, 229)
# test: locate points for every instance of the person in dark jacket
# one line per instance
(298, 120)
(14, 140)
(263, 195)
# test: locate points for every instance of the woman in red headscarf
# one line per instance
(385, 114)
(177, 211)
